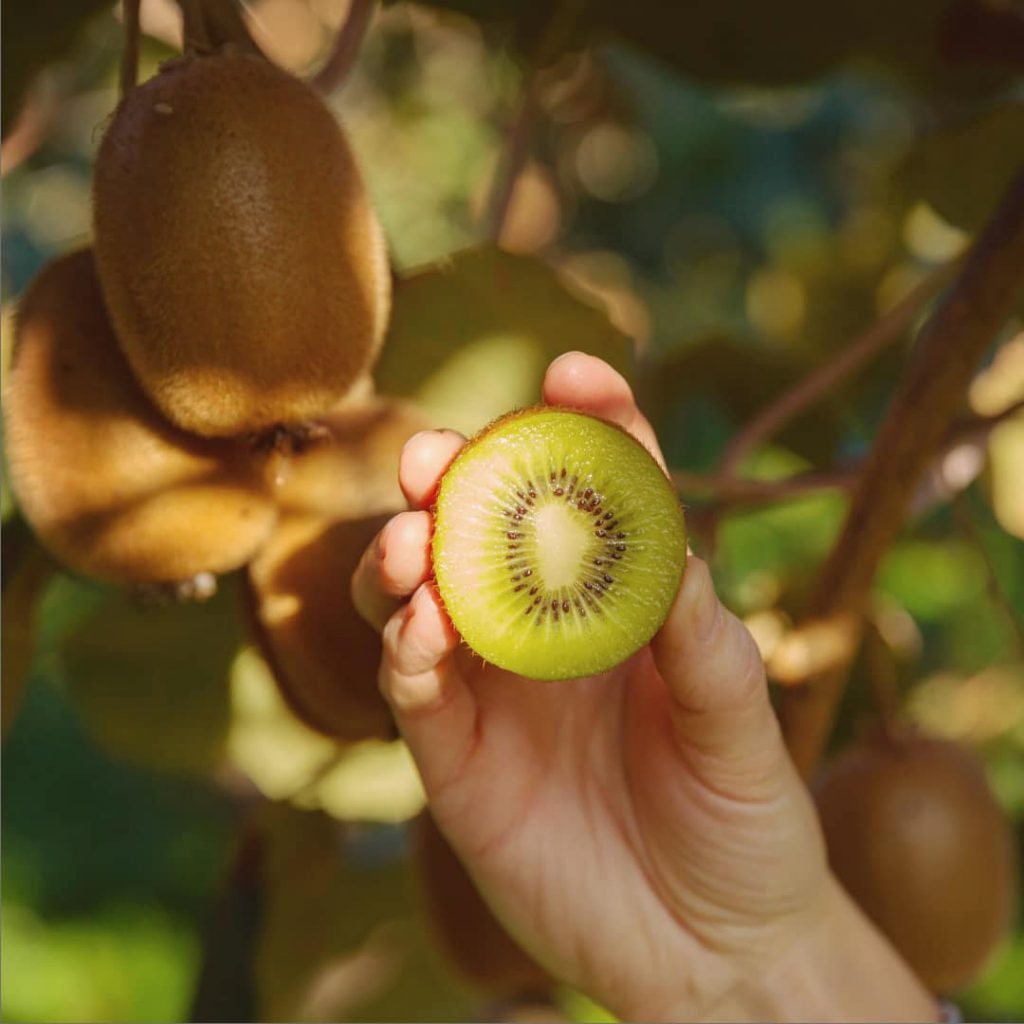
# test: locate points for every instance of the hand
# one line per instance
(642, 833)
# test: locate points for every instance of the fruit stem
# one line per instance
(216, 24)
(130, 50)
(884, 679)
(347, 44)
(194, 37)
(949, 347)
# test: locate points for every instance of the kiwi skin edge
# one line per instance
(595, 595)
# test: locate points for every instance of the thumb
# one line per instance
(719, 694)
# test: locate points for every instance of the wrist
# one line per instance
(838, 968)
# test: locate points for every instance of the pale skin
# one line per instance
(642, 833)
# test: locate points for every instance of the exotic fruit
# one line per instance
(109, 487)
(324, 656)
(916, 837)
(559, 544)
(243, 266)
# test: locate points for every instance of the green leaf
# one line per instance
(151, 683)
(963, 170)
(471, 337)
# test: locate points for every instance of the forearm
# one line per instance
(843, 969)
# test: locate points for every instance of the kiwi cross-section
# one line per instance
(559, 544)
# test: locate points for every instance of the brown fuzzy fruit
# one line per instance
(470, 934)
(324, 655)
(242, 263)
(110, 488)
(353, 470)
(916, 837)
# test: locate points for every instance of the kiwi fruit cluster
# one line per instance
(112, 489)
(183, 396)
(917, 838)
(559, 544)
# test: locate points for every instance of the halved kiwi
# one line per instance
(559, 544)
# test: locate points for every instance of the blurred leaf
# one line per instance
(120, 965)
(999, 995)
(931, 579)
(1006, 477)
(21, 596)
(372, 781)
(738, 379)
(763, 553)
(471, 337)
(963, 170)
(36, 34)
(286, 760)
(151, 683)
(340, 939)
(280, 754)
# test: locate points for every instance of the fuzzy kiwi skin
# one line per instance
(351, 470)
(110, 488)
(241, 260)
(916, 837)
(477, 945)
(324, 656)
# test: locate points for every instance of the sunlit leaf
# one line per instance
(150, 682)
(471, 337)
(341, 938)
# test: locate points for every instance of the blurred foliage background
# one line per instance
(171, 832)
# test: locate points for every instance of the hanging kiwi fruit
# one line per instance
(242, 262)
(917, 838)
(324, 655)
(475, 942)
(111, 489)
(351, 469)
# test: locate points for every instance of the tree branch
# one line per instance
(947, 351)
(347, 44)
(820, 381)
(215, 24)
(516, 145)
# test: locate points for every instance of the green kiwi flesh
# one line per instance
(559, 544)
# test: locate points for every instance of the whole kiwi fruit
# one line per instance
(559, 544)
(110, 488)
(478, 946)
(351, 469)
(918, 840)
(242, 263)
(324, 656)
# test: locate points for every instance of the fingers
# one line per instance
(395, 563)
(714, 673)
(432, 704)
(591, 385)
(424, 459)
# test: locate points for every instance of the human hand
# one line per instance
(642, 833)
